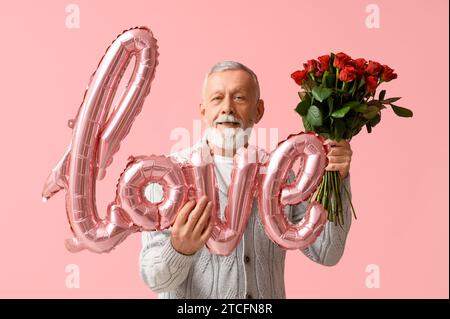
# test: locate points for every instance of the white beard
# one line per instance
(231, 139)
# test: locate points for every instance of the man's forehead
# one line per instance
(232, 79)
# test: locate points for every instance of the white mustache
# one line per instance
(227, 118)
(230, 139)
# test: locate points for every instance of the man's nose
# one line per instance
(227, 106)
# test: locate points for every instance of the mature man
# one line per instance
(176, 263)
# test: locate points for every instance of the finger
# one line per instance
(203, 220)
(343, 143)
(338, 159)
(334, 166)
(339, 150)
(337, 167)
(208, 231)
(196, 213)
(184, 212)
(330, 142)
(343, 171)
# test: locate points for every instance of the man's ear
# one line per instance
(202, 109)
(259, 110)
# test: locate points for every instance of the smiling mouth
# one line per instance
(228, 124)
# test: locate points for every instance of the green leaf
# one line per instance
(314, 116)
(323, 129)
(331, 64)
(307, 125)
(355, 132)
(302, 107)
(331, 59)
(361, 108)
(374, 102)
(330, 105)
(351, 122)
(374, 121)
(402, 111)
(330, 80)
(324, 76)
(339, 129)
(361, 83)
(390, 100)
(371, 112)
(341, 112)
(382, 94)
(352, 104)
(352, 91)
(325, 135)
(320, 94)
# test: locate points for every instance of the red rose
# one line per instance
(341, 59)
(299, 76)
(374, 68)
(372, 82)
(359, 63)
(388, 74)
(347, 74)
(322, 65)
(310, 65)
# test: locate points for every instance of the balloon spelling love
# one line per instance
(97, 134)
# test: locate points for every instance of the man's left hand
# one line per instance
(339, 157)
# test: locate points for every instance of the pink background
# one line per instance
(399, 173)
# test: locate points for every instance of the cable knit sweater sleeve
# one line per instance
(161, 267)
(329, 246)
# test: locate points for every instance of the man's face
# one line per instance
(229, 101)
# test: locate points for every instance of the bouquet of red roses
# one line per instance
(338, 98)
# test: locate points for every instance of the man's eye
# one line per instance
(240, 97)
(216, 98)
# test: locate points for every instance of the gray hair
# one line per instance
(232, 65)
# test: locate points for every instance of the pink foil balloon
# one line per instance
(228, 232)
(275, 194)
(97, 134)
(201, 179)
(96, 138)
(139, 173)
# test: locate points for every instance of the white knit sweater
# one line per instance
(255, 269)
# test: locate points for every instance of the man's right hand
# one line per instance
(192, 227)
